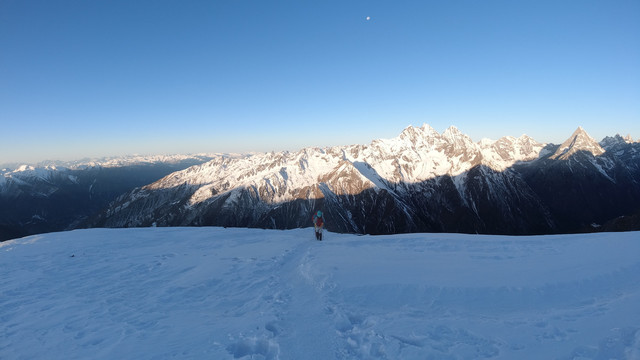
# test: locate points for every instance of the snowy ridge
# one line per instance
(611, 142)
(418, 154)
(109, 162)
(51, 171)
(140, 159)
(40, 179)
(30, 171)
(218, 293)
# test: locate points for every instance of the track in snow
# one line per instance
(258, 294)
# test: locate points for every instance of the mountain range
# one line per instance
(420, 181)
(56, 196)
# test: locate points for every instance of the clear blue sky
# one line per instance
(97, 78)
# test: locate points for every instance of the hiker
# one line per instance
(318, 224)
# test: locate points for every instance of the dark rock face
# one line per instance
(586, 191)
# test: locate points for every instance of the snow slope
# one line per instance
(214, 293)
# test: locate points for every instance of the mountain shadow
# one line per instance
(66, 199)
(584, 191)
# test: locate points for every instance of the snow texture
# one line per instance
(214, 293)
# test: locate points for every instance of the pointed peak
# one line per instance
(409, 132)
(580, 131)
(455, 137)
(427, 127)
(580, 140)
(412, 133)
(526, 139)
(453, 133)
(452, 130)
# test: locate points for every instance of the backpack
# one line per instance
(319, 222)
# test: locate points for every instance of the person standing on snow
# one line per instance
(318, 224)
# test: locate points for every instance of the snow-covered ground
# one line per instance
(213, 293)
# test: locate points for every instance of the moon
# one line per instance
(368, 18)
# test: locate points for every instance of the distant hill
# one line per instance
(59, 196)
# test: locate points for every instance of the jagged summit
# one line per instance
(454, 136)
(579, 141)
(612, 142)
(418, 134)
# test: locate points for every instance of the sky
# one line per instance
(103, 78)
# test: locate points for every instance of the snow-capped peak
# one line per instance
(579, 141)
(456, 138)
(410, 134)
(419, 135)
(22, 168)
(451, 132)
(25, 171)
(508, 150)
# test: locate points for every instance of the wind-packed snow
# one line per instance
(214, 293)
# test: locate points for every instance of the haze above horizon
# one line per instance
(90, 79)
